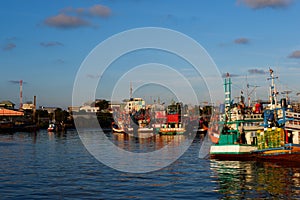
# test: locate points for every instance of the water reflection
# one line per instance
(146, 142)
(261, 180)
(278, 179)
(57, 166)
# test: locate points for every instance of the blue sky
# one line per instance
(45, 42)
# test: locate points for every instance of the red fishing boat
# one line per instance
(174, 123)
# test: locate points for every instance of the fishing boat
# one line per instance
(232, 137)
(279, 141)
(174, 125)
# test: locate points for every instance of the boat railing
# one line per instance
(294, 124)
(249, 117)
(292, 115)
(253, 116)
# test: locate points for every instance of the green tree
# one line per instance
(102, 104)
(59, 115)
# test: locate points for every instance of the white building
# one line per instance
(28, 106)
(135, 104)
(89, 109)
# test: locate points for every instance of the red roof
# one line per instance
(7, 112)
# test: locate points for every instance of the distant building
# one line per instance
(135, 104)
(7, 104)
(89, 109)
(73, 109)
(48, 109)
(28, 106)
(114, 105)
(157, 107)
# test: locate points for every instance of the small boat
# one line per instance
(51, 127)
(116, 128)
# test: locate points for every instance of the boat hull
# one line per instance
(172, 131)
(118, 130)
(145, 130)
(232, 152)
(288, 153)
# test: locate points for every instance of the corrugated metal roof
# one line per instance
(7, 112)
(7, 103)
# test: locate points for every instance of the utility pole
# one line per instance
(21, 94)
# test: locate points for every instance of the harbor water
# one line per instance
(46, 165)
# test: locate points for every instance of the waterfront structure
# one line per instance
(10, 113)
(7, 119)
(7, 104)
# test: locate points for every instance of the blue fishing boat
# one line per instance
(279, 141)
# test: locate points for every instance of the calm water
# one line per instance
(57, 166)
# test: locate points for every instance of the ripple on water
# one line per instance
(57, 166)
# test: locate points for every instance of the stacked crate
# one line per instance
(270, 138)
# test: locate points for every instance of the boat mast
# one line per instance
(287, 92)
(250, 93)
(273, 92)
(227, 88)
